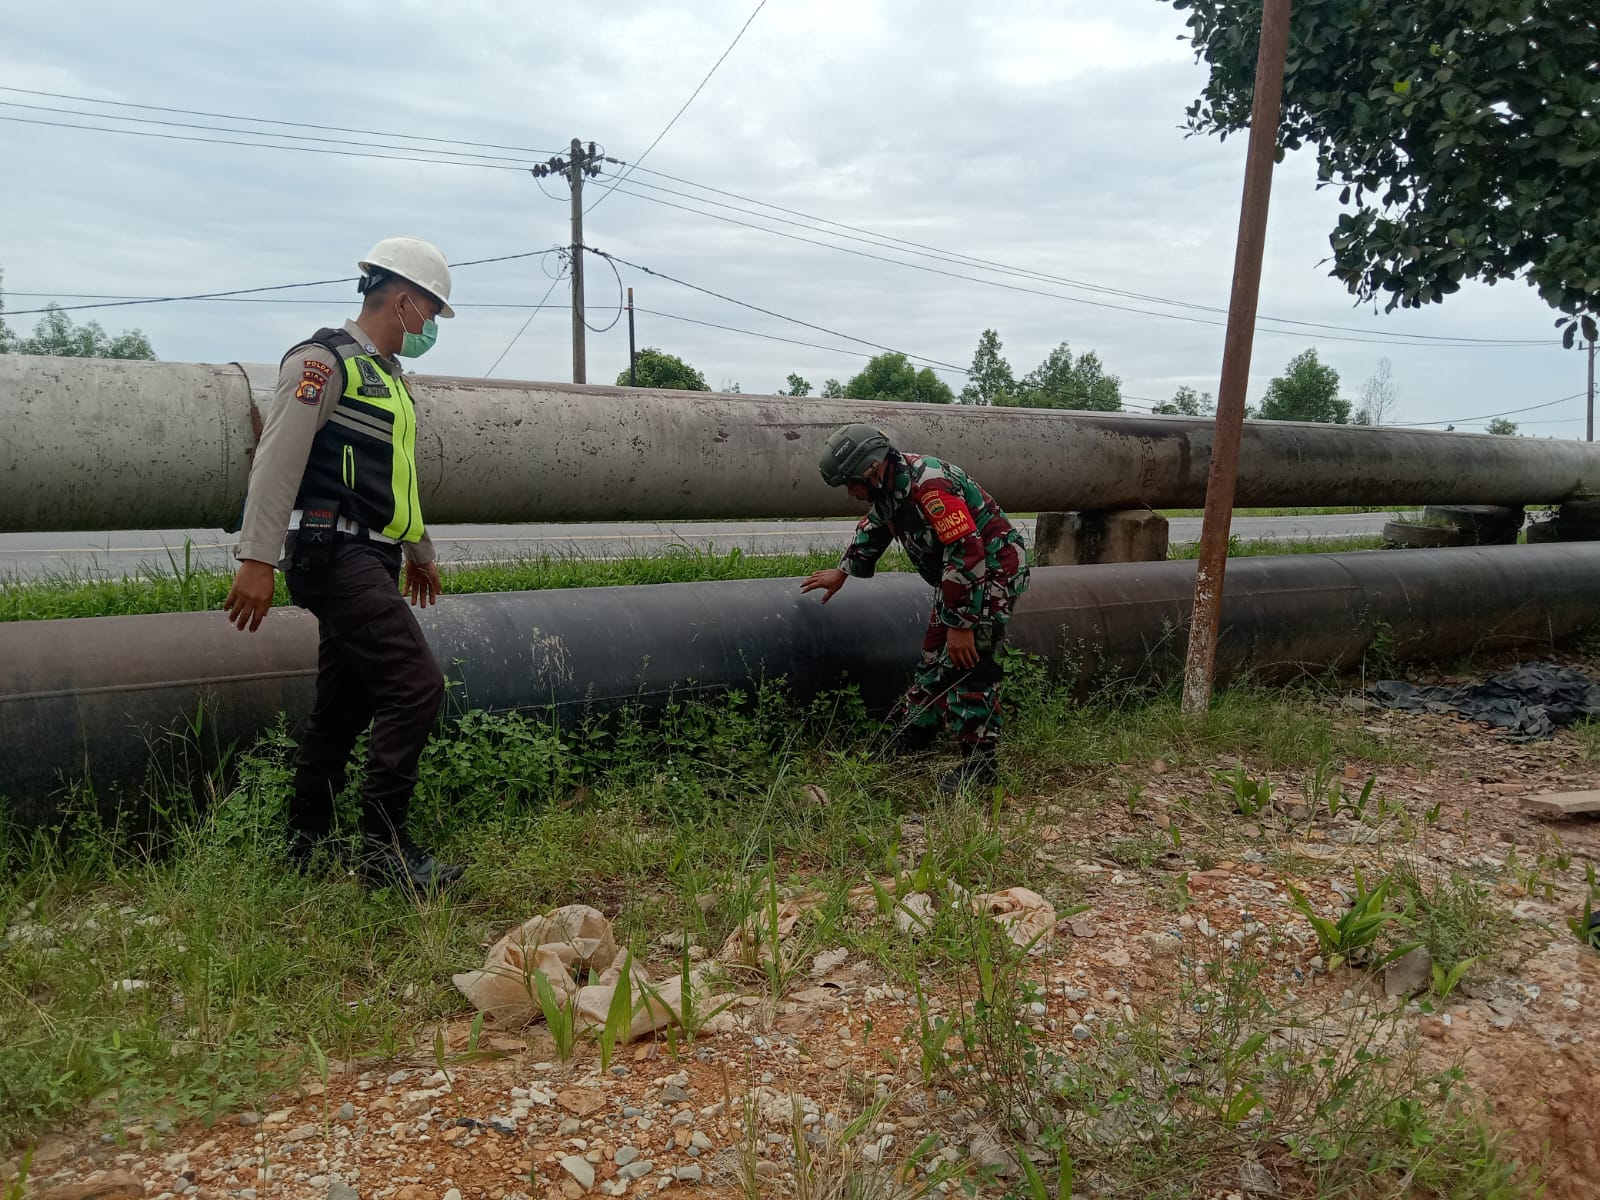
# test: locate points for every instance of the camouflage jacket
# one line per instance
(958, 538)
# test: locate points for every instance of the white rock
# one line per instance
(580, 1170)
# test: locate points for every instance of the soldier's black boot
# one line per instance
(980, 768)
(388, 859)
(909, 741)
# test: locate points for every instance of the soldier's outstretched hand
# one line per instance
(827, 582)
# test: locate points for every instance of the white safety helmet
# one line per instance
(415, 261)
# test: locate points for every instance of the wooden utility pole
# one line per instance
(584, 162)
(1200, 668)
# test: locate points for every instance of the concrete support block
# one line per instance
(1103, 536)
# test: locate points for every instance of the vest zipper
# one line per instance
(349, 467)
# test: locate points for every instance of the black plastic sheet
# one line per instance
(1530, 701)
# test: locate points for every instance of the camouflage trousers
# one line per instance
(969, 699)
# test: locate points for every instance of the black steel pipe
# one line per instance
(101, 696)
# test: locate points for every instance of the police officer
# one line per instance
(960, 541)
(337, 469)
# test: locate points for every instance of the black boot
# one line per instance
(305, 845)
(979, 768)
(909, 741)
(388, 859)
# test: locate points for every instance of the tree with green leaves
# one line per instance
(1306, 391)
(56, 334)
(1062, 381)
(658, 369)
(1464, 136)
(1186, 402)
(990, 380)
(832, 389)
(891, 377)
(795, 386)
(1502, 427)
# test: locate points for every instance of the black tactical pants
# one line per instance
(373, 666)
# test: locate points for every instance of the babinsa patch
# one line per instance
(949, 515)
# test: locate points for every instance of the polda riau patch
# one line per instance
(310, 389)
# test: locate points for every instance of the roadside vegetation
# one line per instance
(181, 585)
(187, 972)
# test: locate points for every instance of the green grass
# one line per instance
(1267, 547)
(1313, 511)
(251, 972)
(182, 587)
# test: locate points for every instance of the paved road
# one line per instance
(134, 552)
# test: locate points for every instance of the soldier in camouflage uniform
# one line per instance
(960, 542)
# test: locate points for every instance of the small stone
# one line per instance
(637, 1169)
(1431, 1027)
(682, 1119)
(340, 1190)
(580, 1169)
(347, 1111)
(630, 1112)
(1081, 1033)
(452, 1194)
(673, 1094)
(248, 1118)
(581, 1102)
(701, 1142)
(569, 1127)
(767, 1169)
(624, 1155)
(301, 1133)
(688, 1174)
(398, 1077)
(1256, 1180)
(1408, 974)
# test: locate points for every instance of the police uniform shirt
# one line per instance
(303, 407)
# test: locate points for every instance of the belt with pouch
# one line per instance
(347, 526)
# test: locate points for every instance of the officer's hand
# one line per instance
(827, 582)
(250, 596)
(963, 648)
(423, 584)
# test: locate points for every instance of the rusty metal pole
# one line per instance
(1200, 666)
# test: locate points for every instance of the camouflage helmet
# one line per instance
(851, 450)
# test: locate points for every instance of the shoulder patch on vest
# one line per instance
(949, 515)
(310, 389)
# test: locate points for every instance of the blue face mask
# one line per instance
(414, 345)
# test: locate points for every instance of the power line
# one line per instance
(189, 112)
(1042, 276)
(769, 312)
(1486, 416)
(296, 137)
(995, 283)
(771, 337)
(537, 309)
(930, 251)
(667, 128)
(247, 300)
(276, 287)
(182, 137)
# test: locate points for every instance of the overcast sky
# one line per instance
(1039, 136)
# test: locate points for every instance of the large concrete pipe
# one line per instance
(105, 444)
(98, 695)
